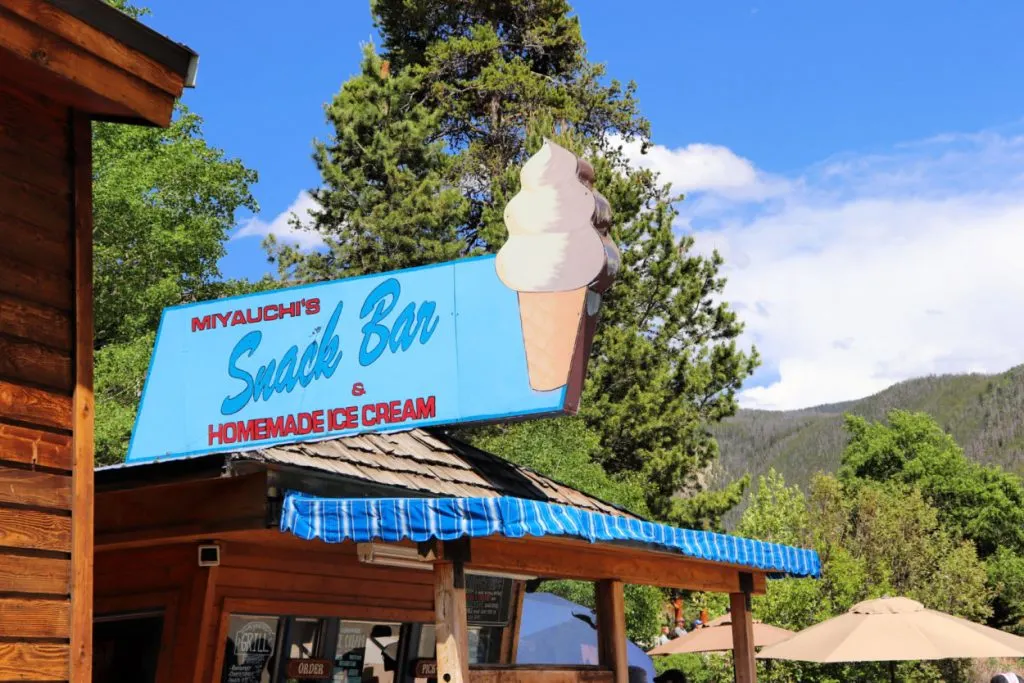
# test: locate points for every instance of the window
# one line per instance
(249, 652)
(259, 648)
(126, 647)
(484, 644)
(366, 652)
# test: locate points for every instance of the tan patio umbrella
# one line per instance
(894, 630)
(717, 637)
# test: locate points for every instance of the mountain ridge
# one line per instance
(984, 413)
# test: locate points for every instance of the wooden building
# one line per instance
(63, 64)
(193, 570)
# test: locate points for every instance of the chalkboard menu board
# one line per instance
(348, 660)
(488, 600)
(249, 649)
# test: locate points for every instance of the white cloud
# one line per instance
(867, 270)
(700, 167)
(282, 227)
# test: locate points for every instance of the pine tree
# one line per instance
(426, 145)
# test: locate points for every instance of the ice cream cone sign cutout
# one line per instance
(559, 258)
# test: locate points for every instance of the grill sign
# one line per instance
(309, 669)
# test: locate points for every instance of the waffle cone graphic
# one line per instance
(551, 324)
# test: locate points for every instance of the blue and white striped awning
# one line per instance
(363, 520)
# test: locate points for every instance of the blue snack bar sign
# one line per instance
(482, 339)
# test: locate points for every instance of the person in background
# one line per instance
(680, 629)
(697, 623)
(671, 676)
(663, 637)
(1001, 678)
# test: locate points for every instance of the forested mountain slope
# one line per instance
(985, 413)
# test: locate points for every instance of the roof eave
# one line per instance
(176, 57)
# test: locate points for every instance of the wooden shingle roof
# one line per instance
(426, 464)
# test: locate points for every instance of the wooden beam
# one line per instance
(743, 635)
(34, 618)
(35, 127)
(33, 661)
(24, 319)
(34, 406)
(203, 612)
(591, 562)
(77, 32)
(320, 608)
(44, 210)
(23, 486)
(24, 280)
(510, 634)
(29, 361)
(611, 629)
(450, 623)
(34, 530)
(75, 66)
(539, 674)
(35, 447)
(83, 408)
(182, 509)
(40, 575)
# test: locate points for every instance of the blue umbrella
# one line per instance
(558, 631)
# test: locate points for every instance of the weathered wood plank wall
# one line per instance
(45, 388)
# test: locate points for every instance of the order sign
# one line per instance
(309, 669)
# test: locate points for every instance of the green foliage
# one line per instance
(983, 503)
(163, 201)
(1006, 580)
(563, 449)
(128, 8)
(874, 539)
(423, 156)
(980, 503)
(981, 412)
(643, 605)
(120, 375)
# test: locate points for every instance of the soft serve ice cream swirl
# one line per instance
(553, 257)
(552, 244)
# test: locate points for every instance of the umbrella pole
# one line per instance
(892, 672)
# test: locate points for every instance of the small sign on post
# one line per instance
(309, 669)
(488, 600)
(426, 668)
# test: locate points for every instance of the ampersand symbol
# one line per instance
(358, 389)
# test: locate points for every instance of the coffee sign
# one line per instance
(309, 669)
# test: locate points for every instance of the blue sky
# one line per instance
(859, 164)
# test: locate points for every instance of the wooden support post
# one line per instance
(510, 634)
(450, 622)
(82, 509)
(743, 631)
(611, 629)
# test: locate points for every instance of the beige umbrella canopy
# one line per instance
(891, 630)
(717, 637)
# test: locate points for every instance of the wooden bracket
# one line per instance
(747, 587)
(458, 553)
